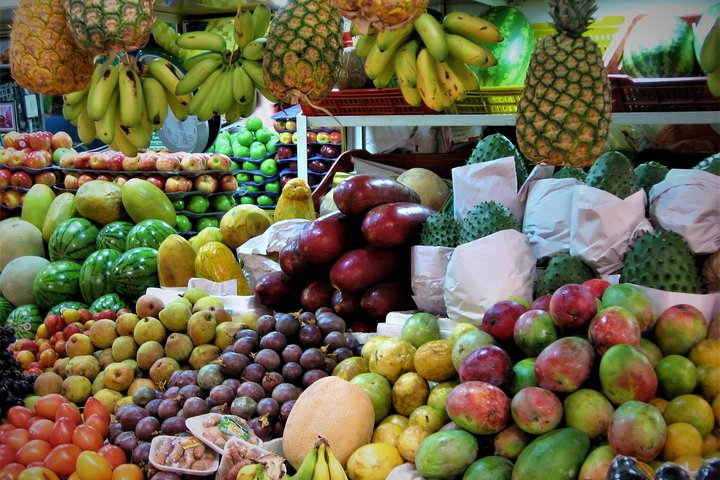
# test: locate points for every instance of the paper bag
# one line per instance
(708, 304)
(688, 203)
(485, 271)
(481, 182)
(428, 266)
(603, 226)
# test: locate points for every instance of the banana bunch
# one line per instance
(709, 58)
(430, 59)
(123, 104)
(320, 464)
(165, 36)
(225, 82)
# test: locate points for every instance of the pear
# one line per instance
(103, 333)
(148, 353)
(208, 234)
(184, 301)
(162, 369)
(59, 366)
(139, 383)
(192, 295)
(47, 383)
(225, 334)
(202, 355)
(175, 316)
(207, 302)
(104, 357)
(221, 315)
(84, 366)
(247, 318)
(119, 376)
(76, 389)
(123, 348)
(148, 306)
(99, 383)
(126, 400)
(125, 323)
(178, 347)
(109, 398)
(80, 344)
(149, 329)
(201, 327)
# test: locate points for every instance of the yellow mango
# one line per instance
(242, 223)
(175, 262)
(216, 262)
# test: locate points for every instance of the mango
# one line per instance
(216, 262)
(558, 454)
(175, 262)
(143, 200)
(244, 222)
(101, 201)
(446, 453)
(208, 234)
(626, 374)
(36, 204)
(62, 208)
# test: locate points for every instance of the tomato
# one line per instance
(99, 423)
(34, 464)
(93, 406)
(114, 455)
(6, 427)
(38, 473)
(47, 357)
(11, 471)
(33, 451)
(87, 438)
(69, 411)
(47, 406)
(93, 466)
(19, 416)
(40, 429)
(5, 431)
(17, 438)
(128, 471)
(62, 432)
(7, 455)
(62, 459)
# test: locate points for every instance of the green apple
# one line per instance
(222, 203)
(242, 177)
(252, 188)
(182, 223)
(234, 165)
(206, 222)
(269, 167)
(243, 151)
(273, 186)
(254, 123)
(59, 152)
(262, 135)
(249, 166)
(245, 137)
(258, 151)
(198, 204)
(179, 204)
(271, 145)
(247, 200)
(265, 201)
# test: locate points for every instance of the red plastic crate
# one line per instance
(364, 101)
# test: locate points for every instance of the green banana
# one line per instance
(101, 89)
(223, 96)
(254, 69)
(384, 78)
(709, 57)
(243, 28)
(195, 77)
(73, 98)
(364, 45)
(713, 81)
(261, 20)
(179, 110)
(405, 63)
(242, 84)
(432, 35)
(193, 60)
(306, 469)
(233, 113)
(388, 38)
(202, 40)
(201, 104)
(86, 128)
(254, 50)
(377, 60)
(72, 112)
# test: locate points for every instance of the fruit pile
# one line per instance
(15, 385)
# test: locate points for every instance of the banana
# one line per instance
(121, 142)
(105, 127)
(193, 60)
(254, 50)
(202, 40)
(427, 81)
(377, 60)
(467, 76)
(337, 472)
(709, 57)
(195, 77)
(307, 468)
(86, 128)
(432, 35)
(254, 69)
(472, 27)
(411, 95)
(388, 38)
(72, 112)
(364, 45)
(201, 103)
(248, 472)
(222, 98)
(179, 110)
(265, 92)
(132, 102)
(156, 103)
(384, 78)
(321, 471)
(405, 63)
(249, 108)
(261, 20)
(450, 82)
(136, 135)
(242, 84)
(469, 52)
(243, 29)
(74, 98)
(233, 113)
(101, 90)
(169, 76)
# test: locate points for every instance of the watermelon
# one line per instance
(513, 53)
(74, 239)
(113, 235)
(95, 273)
(110, 301)
(148, 233)
(659, 46)
(5, 309)
(58, 309)
(25, 320)
(57, 282)
(135, 271)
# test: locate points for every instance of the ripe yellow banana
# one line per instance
(121, 142)
(467, 76)
(248, 472)
(254, 50)
(131, 98)
(377, 60)
(135, 134)
(337, 472)
(242, 84)
(427, 81)
(432, 35)
(169, 76)
(74, 98)
(86, 128)
(222, 98)
(105, 127)
(202, 40)
(321, 471)
(195, 77)
(709, 57)
(201, 103)
(364, 45)
(101, 89)
(193, 60)
(469, 52)
(156, 103)
(472, 27)
(179, 110)
(306, 469)
(405, 63)
(411, 95)
(261, 20)
(388, 38)
(243, 28)
(450, 82)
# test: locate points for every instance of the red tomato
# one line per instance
(33, 371)
(99, 423)
(128, 471)
(5, 431)
(34, 465)
(17, 438)
(47, 405)
(5, 427)
(93, 406)
(33, 451)
(40, 429)
(11, 471)
(114, 455)
(62, 432)
(19, 416)
(88, 438)
(7, 455)
(62, 459)
(69, 411)
(93, 466)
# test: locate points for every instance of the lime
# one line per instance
(253, 123)
(676, 376)
(179, 205)
(421, 328)
(269, 167)
(198, 204)
(245, 200)
(182, 223)
(245, 138)
(262, 134)
(265, 201)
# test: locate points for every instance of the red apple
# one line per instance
(156, 180)
(120, 179)
(107, 313)
(38, 159)
(572, 306)
(17, 159)
(115, 161)
(205, 183)
(5, 155)
(318, 166)
(597, 286)
(98, 161)
(41, 141)
(23, 141)
(61, 140)
(67, 159)
(84, 178)
(488, 363)
(21, 179)
(176, 183)
(335, 137)
(193, 162)
(82, 161)
(148, 161)
(285, 179)
(167, 163)
(323, 137)
(5, 175)
(292, 166)
(54, 323)
(105, 177)
(228, 183)
(284, 152)
(329, 151)
(84, 315)
(13, 198)
(47, 178)
(499, 320)
(10, 139)
(71, 181)
(72, 329)
(26, 344)
(218, 161)
(312, 137)
(131, 164)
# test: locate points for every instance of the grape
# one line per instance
(274, 340)
(268, 359)
(221, 395)
(251, 389)
(152, 407)
(247, 332)
(307, 317)
(309, 336)
(265, 324)
(287, 324)
(278, 428)
(330, 364)
(233, 383)
(268, 407)
(351, 341)
(189, 391)
(322, 310)
(231, 364)
(334, 340)
(292, 372)
(291, 353)
(262, 428)
(195, 406)
(253, 373)
(244, 407)
(171, 392)
(312, 358)
(312, 376)
(271, 380)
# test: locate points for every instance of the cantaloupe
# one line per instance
(430, 187)
(19, 238)
(16, 279)
(339, 411)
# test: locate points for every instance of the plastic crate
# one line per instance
(363, 101)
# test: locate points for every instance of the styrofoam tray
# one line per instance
(186, 471)
(195, 425)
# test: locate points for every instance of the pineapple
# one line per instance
(565, 109)
(302, 54)
(106, 27)
(382, 15)
(43, 55)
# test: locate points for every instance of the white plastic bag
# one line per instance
(428, 266)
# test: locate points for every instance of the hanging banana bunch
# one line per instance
(430, 59)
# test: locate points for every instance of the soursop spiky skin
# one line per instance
(662, 259)
(562, 269)
(613, 172)
(649, 174)
(485, 219)
(710, 164)
(497, 146)
(571, 172)
(440, 230)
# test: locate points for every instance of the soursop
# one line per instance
(485, 219)
(562, 269)
(613, 172)
(440, 230)
(571, 172)
(662, 259)
(650, 173)
(710, 164)
(497, 146)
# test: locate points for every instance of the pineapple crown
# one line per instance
(572, 17)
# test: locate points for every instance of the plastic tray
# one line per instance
(28, 169)
(183, 471)
(364, 101)
(195, 425)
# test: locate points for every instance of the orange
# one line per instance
(711, 443)
(690, 462)
(682, 439)
(707, 352)
(692, 409)
(659, 403)
(709, 381)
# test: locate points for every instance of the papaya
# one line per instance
(207, 234)
(175, 262)
(295, 201)
(143, 200)
(36, 204)
(242, 223)
(558, 454)
(62, 208)
(216, 262)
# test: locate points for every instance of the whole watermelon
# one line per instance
(25, 320)
(659, 46)
(5, 309)
(113, 235)
(95, 274)
(135, 271)
(148, 233)
(58, 309)
(58, 282)
(73, 239)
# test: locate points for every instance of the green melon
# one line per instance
(58, 309)
(135, 271)
(5, 309)
(74, 239)
(95, 274)
(56, 283)
(114, 235)
(19, 238)
(148, 233)
(25, 320)
(16, 279)
(110, 301)
(659, 46)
